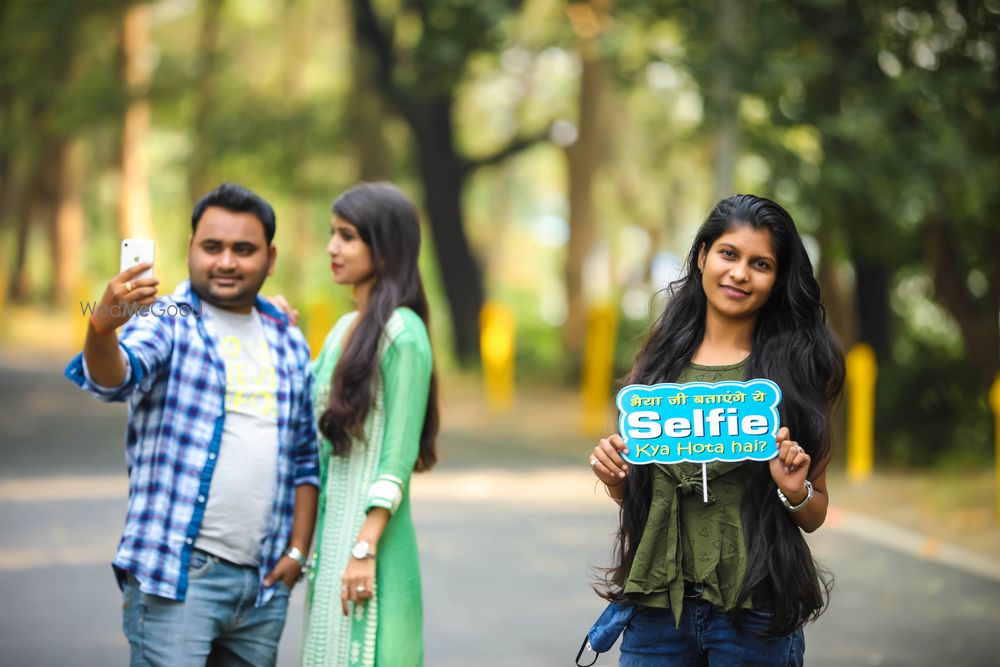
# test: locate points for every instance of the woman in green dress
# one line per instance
(377, 410)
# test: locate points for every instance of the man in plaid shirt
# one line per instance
(221, 443)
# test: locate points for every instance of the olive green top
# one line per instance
(686, 539)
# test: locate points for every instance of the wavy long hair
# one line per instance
(790, 345)
(387, 223)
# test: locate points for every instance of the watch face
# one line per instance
(361, 550)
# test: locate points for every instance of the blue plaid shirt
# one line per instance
(175, 386)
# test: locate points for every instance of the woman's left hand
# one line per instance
(791, 466)
(358, 583)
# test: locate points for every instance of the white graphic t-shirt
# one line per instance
(239, 504)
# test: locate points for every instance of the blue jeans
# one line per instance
(216, 625)
(705, 637)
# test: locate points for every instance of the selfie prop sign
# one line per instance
(699, 422)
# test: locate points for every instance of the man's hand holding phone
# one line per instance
(133, 288)
(124, 295)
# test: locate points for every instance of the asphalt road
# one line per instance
(506, 578)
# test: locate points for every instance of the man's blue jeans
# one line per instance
(705, 637)
(216, 625)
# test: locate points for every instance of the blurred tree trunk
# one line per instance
(976, 318)
(582, 161)
(836, 299)
(427, 109)
(67, 236)
(43, 152)
(51, 196)
(295, 48)
(366, 115)
(27, 201)
(443, 176)
(6, 178)
(15, 198)
(871, 294)
(6, 133)
(296, 19)
(8, 193)
(202, 149)
(845, 208)
(657, 227)
(724, 97)
(133, 203)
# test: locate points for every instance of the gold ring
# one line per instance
(128, 286)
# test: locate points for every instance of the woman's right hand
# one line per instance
(281, 303)
(606, 460)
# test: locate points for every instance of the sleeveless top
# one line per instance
(686, 539)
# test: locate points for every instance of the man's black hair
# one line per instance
(237, 199)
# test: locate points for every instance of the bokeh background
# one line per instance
(561, 155)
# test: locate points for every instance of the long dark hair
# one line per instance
(387, 223)
(790, 345)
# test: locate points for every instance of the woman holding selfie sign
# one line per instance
(731, 580)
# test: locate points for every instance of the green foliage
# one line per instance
(539, 358)
(931, 411)
(632, 334)
(876, 123)
(449, 31)
(57, 76)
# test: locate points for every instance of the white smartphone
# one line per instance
(137, 251)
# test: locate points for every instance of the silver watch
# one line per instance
(796, 508)
(295, 554)
(362, 550)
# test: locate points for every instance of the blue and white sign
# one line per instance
(699, 422)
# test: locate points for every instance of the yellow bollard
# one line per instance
(3, 299)
(318, 322)
(598, 368)
(496, 347)
(995, 406)
(862, 369)
(80, 317)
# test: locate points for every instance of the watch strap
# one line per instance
(805, 501)
(295, 554)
